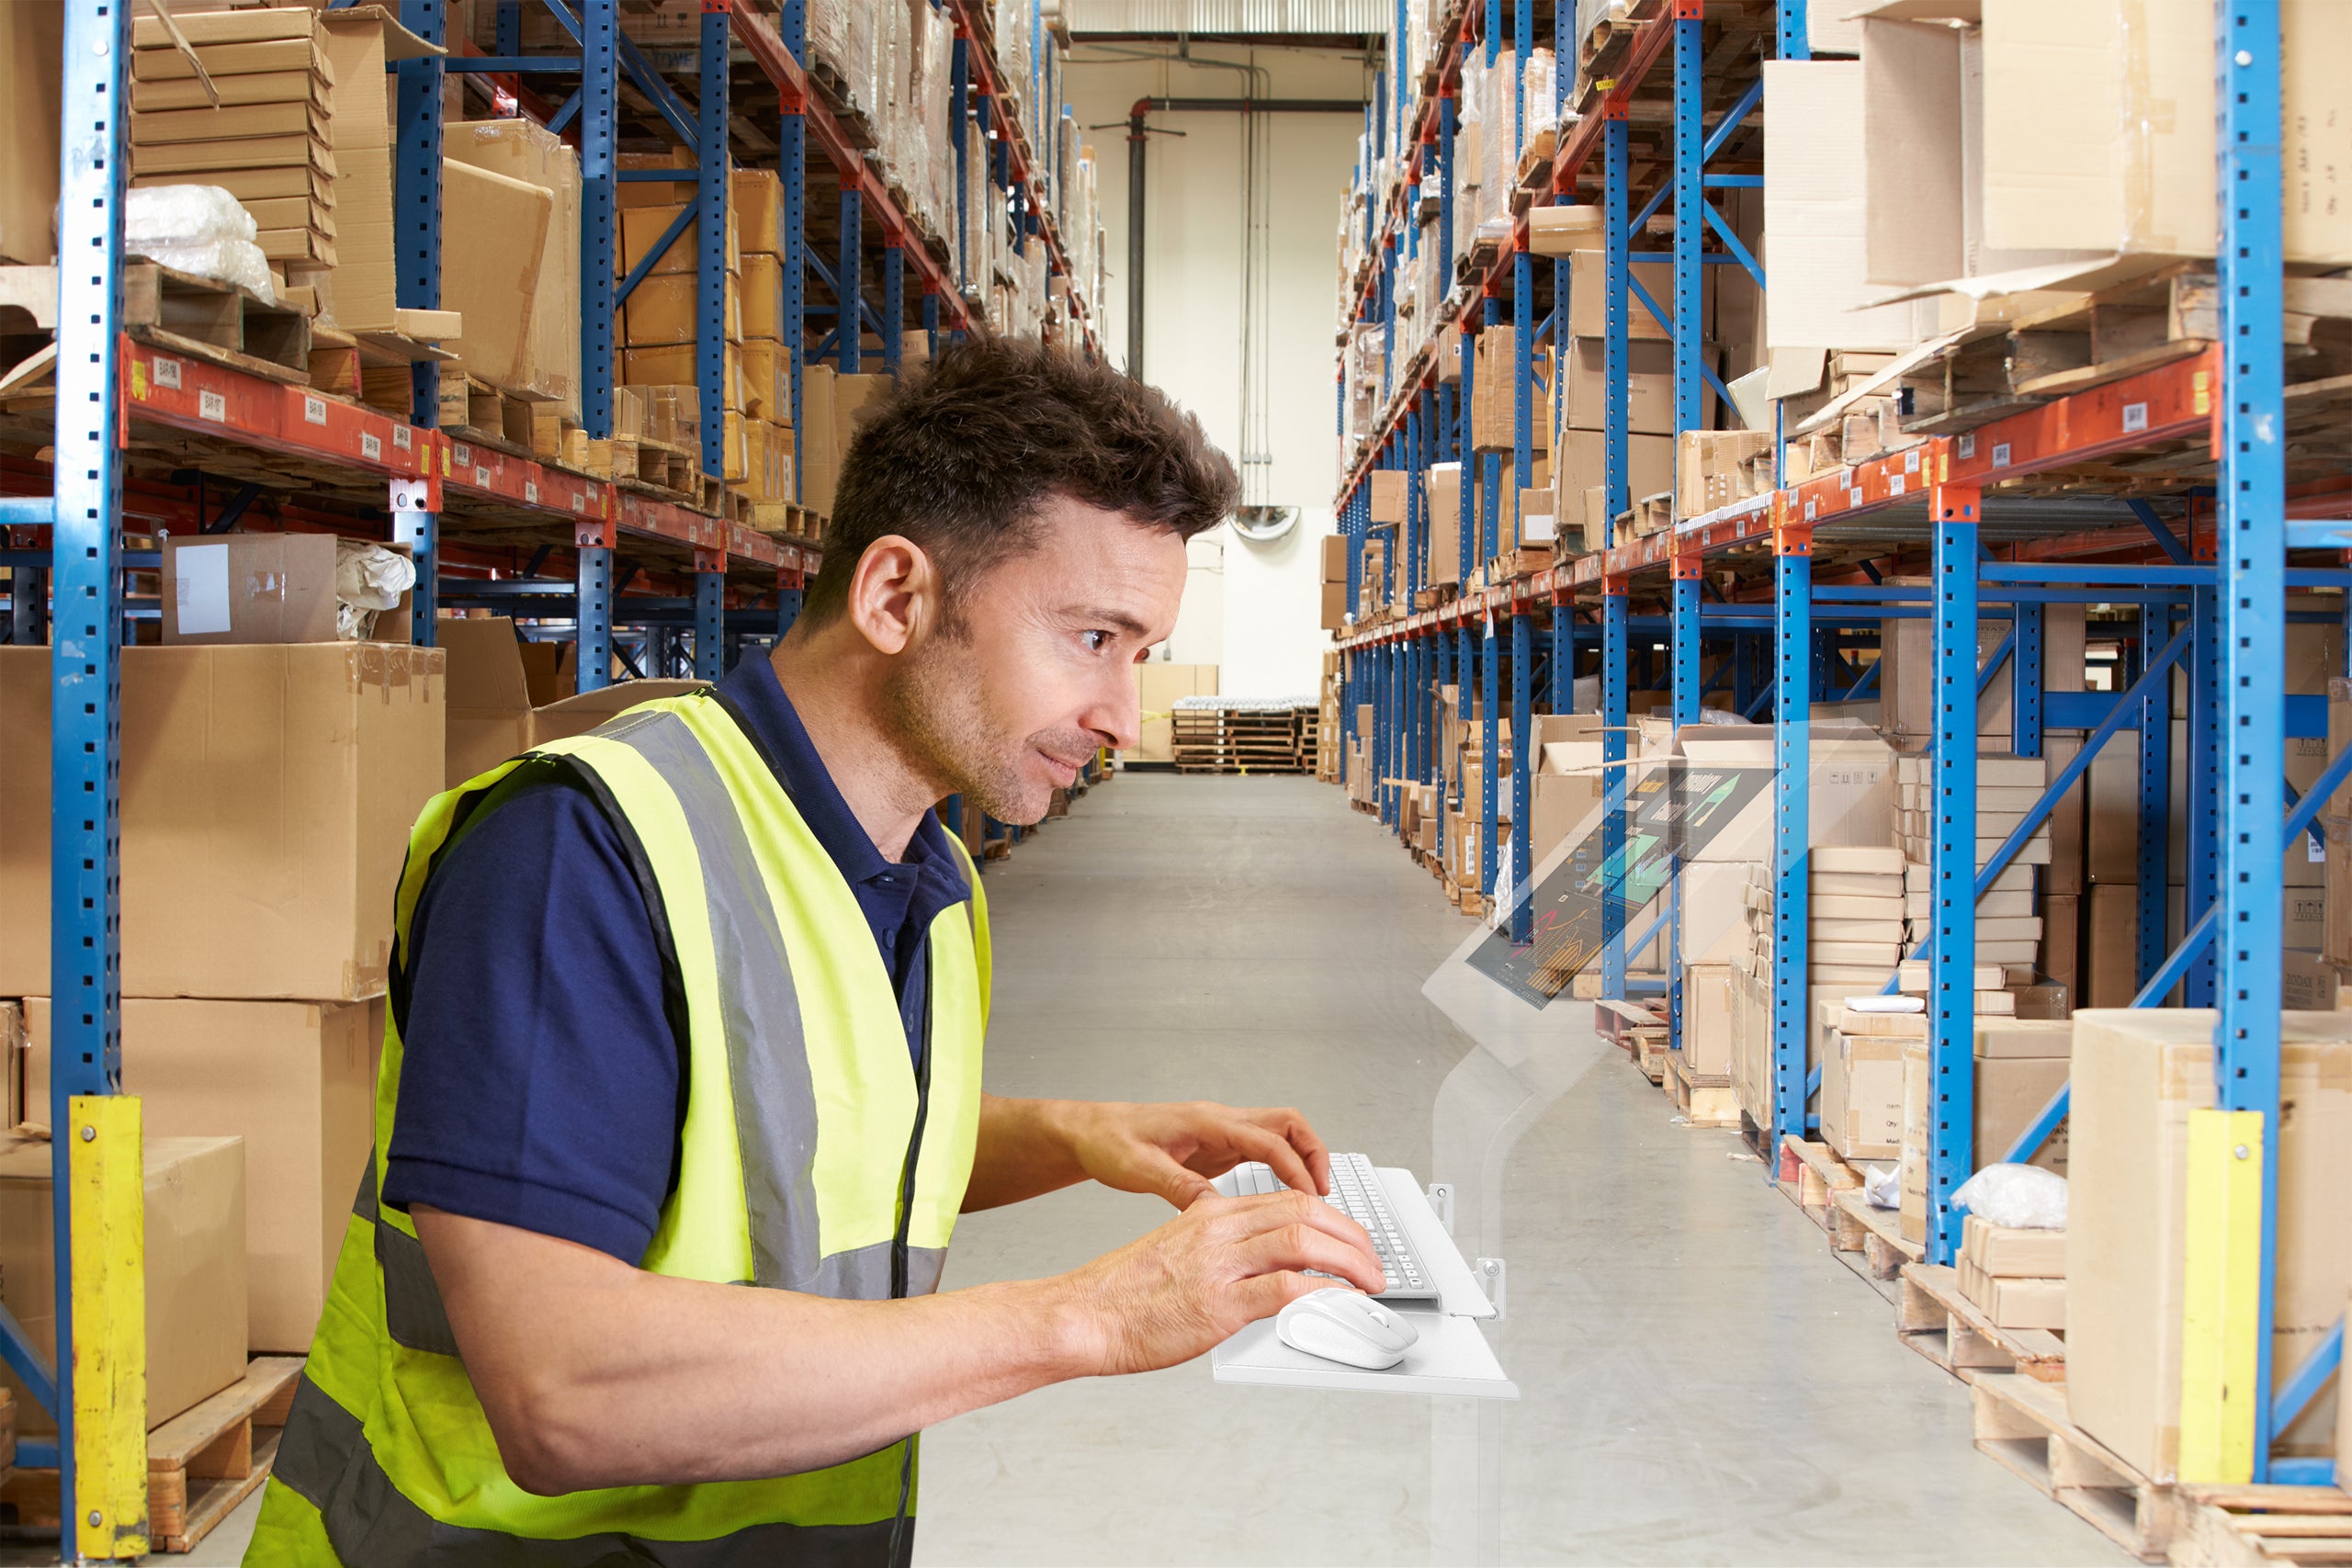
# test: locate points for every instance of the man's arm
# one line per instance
(1031, 1146)
(593, 1374)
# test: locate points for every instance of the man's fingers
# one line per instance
(1271, 1146)
(1304, 1247)
(1181, 1187)
(1310, 1148)
(1262, 1295)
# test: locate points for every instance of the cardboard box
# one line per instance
(32, 49)
(2016, 1302)
(358, 43)
(1158, 686)
(755, 209)
(1335, 607)
(249, 588)
(494, 232)
(1649, 387)
(1565, 228)
(1387, 494)
(1813, 224)
(194, 1215)
(1334, 549)
(2020, 1062)
(2098, 121)
(526, 151)
(1707, 1018)
(1861, 1095)
(292, 151)
(267, 793)
(1445, 522)
(1580, 464)
(299, 84)
(666, 310)
(296, 1081)
(2013, 1252)
(1588, 304)
(506, 696)
(2137, 1075)
(767, 381)
(763, 295)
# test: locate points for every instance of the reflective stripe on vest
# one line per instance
(799, 1083)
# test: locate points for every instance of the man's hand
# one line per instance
(1174, 1151)
(1031, 1146)
(1223, 1263)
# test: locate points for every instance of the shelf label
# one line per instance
(481, 478)
(211, 405)
(167, 372)
(462, 456)
(1894, 484)
(314, 409)
(400, 437)
(1911, 461)
(2135, 416)
(530, 493)
(1968, 446)
(371, 447)
(2000, 454)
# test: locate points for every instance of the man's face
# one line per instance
(1038, 671)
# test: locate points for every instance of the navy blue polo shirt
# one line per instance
(543, 1082)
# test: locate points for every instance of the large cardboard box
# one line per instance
(1861, 1095)
(1707, 1018)
(2098, 127)
(267, 793)
(1445, 523)
(526, 151)
(2020, 1062)
(32, 49)
(1581, 463)
(508, 695)
(1588, 304)
(1814, 218)
(1158, 686)
(249, 588)
(493, 233)
(1649, 386)
(2137, 1075)
(196, 1295)
(358, 43)
(297, 1082)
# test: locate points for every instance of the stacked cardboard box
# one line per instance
(1855, 922)
(2020, 1063)
(268, 790)
(1862, 1080)
(1334, 550)
(270, 130)
(524, 152)
(2016, 1277)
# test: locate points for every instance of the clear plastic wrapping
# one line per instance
(199, 230)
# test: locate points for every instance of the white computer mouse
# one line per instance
(1340, 1324)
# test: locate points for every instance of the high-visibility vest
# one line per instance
(816, 1156)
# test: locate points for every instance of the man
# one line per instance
(696, 1002)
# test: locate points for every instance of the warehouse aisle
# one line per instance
(1702, 1382)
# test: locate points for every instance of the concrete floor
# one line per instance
(1701, 1382)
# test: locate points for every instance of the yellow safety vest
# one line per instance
(815, 1157)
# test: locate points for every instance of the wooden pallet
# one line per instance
(1651, 1045)
(2021, 1424)
(210, 320)
(1949, 1329)
(1875, 1232)
(1704, 1100)
(1810, 1176)
(201, 1464)
(2253, 1527)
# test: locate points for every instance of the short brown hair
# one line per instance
(958, 458)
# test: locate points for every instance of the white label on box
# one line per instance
(314, 409)
(1968, 446)
(200, 588)
(2135, 416)
(2315, 849)
(401, 436)
(2000, 454)
(462, 456)
(371, 447)
(211, 405)
(167, 372)
(1537, 525)
(530, 493)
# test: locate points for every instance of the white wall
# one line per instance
(1252, 609)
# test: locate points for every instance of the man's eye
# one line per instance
(1096, 641)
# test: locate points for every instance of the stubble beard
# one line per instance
(936, 703)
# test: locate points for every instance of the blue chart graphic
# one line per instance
(1672, 813)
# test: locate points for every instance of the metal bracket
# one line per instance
(410, 496)
(1491, 1280)
(1440, 1197)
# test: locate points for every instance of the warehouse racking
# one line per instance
(1785, 581)
(488, 527)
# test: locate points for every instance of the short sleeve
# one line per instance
(540, 1077)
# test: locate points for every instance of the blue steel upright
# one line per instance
(711, 209)
(599, 66)
(416, 211)
(2251, 547)
(1954, 511)
(1792, 815)
(86, 653)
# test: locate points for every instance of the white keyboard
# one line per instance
(1357, 1193)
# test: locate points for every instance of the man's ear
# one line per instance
(895, 594)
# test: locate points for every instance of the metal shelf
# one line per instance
(2007, 518)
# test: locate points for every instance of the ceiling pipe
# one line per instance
(1136, 133)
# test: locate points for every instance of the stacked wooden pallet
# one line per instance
(1245, 735)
